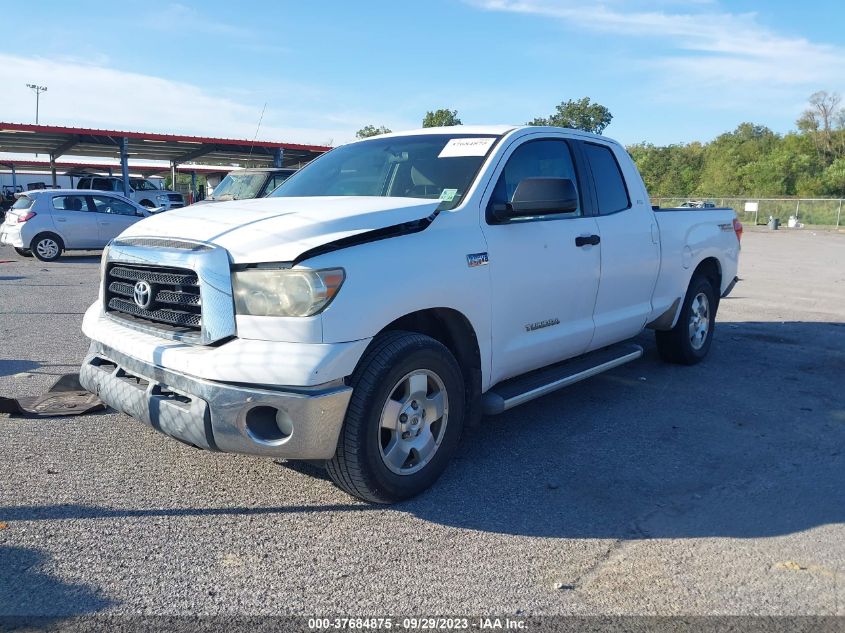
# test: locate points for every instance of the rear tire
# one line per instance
(689, 341)
(404, 419)
(47, 247)
(23, 252)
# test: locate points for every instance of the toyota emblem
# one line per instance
(143, 295)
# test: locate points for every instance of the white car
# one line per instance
(46, 222)
(141, 190)
(396, 289)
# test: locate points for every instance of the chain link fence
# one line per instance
(808, 211)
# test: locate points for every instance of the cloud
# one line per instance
(90, 95)
(181, 19)
(708, 47)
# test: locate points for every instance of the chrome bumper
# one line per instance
(295, 424)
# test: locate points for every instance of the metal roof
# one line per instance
(57, 141)
(76, 168)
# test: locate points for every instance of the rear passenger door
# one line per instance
(114, 216)
(74, 221)
(630, 250)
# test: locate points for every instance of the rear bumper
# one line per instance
(11, 236)
(301, 424)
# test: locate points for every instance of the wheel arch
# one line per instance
(711, 268)
(455, 331)
(54, 234)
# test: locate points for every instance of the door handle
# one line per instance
(61, 219)
(587, 240)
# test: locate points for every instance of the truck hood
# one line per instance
(281, 229)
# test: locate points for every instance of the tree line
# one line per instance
(752, 160)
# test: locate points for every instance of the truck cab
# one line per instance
(244, 184)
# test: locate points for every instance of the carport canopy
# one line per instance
(56, 141)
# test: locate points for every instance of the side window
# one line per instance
(535, 159)
(610, 184)
(108, 204)
(84, 183)
(101, 184)
(70, 203)
(274, 181)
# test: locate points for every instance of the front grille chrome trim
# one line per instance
(179, 312)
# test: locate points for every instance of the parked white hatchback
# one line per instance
(47, 222)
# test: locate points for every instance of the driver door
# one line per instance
(544, 286)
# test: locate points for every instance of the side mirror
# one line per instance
(544, 196)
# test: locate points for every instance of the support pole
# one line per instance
(278, 155)
(173, 175)
(838, 213)
(53, 171)
(124, 164)
(797, 206)
(193, 186)
(15, 182)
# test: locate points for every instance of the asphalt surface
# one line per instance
(653, 489)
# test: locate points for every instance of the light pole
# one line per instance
(38, 90)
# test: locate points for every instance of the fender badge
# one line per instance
(477, 259)
(541, 324)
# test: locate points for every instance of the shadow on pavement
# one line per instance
(747, 444)
(26, 589)
(10, 367)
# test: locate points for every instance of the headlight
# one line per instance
(290, 293)
(161, 197)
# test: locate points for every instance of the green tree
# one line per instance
(441, 118)
(371, 130)
(578, 115)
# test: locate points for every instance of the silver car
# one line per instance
(47, 222)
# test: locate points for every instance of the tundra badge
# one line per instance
(477, 259)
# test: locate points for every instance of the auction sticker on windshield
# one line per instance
(466, 147)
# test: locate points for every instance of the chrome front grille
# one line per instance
(189, 285)
(174, 304)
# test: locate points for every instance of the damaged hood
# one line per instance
(281, 229)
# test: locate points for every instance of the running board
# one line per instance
(516, 391)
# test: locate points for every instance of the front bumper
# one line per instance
(301, 424)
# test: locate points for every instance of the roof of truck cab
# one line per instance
(498, 130)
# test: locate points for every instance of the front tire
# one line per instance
(47, 247)
(23, 252)
(404, 419)
(689, 341)
(147, 203)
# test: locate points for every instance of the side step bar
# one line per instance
(516, 391)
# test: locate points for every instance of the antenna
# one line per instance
(260, 119)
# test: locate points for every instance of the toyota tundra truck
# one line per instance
(394, 291)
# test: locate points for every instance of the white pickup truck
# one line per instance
(395, 290)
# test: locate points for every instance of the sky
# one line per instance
(670, 71)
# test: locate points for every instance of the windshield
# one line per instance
(237, 186)
(433, 166)
(142, 185)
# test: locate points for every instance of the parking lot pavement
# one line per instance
(653, 489)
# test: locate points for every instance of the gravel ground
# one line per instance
(653, 489)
